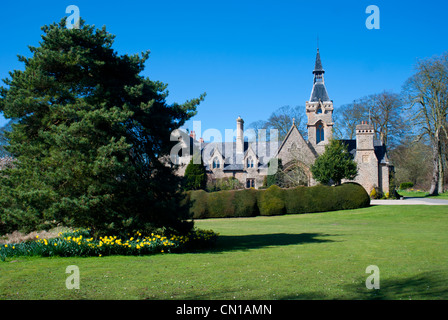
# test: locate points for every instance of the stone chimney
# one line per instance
(239, 135)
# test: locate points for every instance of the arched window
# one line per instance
(319, 110)
(250, 162)
(319, 133)
(216, 163)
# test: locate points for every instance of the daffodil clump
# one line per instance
(79, 243)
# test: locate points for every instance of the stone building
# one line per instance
(248, 161)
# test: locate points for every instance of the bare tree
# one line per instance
(385, 112)
(412, 162)
(347, 117)
(427, 95)
(282, 120)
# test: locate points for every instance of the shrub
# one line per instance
(221, 204)
(226, 183)
(297, 200)
(393, 194)
(246, 203)
(406, 185)
(270, 201)
(198, 204)
(232, 203)
(277, 201)
(321, 199)
(351, 195)
(376, 193)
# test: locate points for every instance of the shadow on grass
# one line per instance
(423, 286)
(256, 241)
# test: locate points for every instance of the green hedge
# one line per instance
(276, 201)
(406, 185)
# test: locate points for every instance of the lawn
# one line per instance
(411, 193)
(310, 256)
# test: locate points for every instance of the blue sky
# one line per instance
(251, 57)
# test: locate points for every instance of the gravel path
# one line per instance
(408, 201)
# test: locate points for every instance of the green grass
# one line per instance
(421, 194)
(312, 256)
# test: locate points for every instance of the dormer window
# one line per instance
(250, 162)
(216, 163)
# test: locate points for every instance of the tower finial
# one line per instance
(317, 42)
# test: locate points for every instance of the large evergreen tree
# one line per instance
(334, 164)
(91, 134)
(195, 177)
(275, 173)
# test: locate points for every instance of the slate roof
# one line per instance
(379, 148)
(234, 161)
(318, 65)
(265, 151)
(319, 93)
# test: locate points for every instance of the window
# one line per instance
(250, 183)
(216, 163)
(319, 110)
(320, 133)
(250, 162)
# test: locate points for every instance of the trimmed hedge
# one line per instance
(406, 185)
(276, 201)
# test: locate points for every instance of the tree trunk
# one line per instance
(434, 191)
(441, 169)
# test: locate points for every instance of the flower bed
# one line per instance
(79, 243)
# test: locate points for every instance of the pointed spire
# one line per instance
(319, 92)
(318, 66)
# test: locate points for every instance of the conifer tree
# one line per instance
(334, 164)
(89, 139)
(276, 174)
(195, 177)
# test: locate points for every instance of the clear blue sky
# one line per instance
(251, 57)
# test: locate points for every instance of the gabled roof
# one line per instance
(233, 161)
(302, 141)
